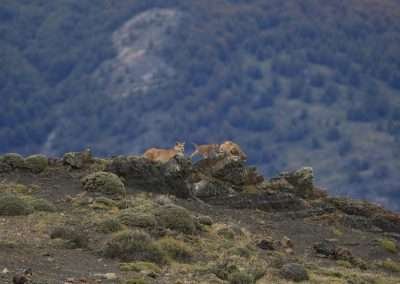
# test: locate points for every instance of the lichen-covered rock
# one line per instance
(105, 183)
(12, 205)
(294, 272)
(11, 161)
(230, 170)
(143, 174)
(302, 181)
(204, 189)
(77, 160)
(36, 163)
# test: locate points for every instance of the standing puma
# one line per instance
(232, 149)
(164, 155)
(206, 150)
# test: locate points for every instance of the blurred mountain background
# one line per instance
(296, 83)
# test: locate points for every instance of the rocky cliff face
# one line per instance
(138, 65)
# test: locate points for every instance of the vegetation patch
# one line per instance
(176, 249)
(176, 218)
(13, 160)
(391, 265)
(136, 219)
(36, 163)
(40, 204)
(139, 266)
(241, 277)
(74, 237)
(104, 203)
(12, 205)
(134, 245)
(104, 183)
(388, 245)
(109, 225)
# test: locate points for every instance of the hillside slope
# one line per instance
(295, 83)
(128, 220)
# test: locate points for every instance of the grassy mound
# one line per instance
(13, 160)
(12, 205)
(105, 183)
(176, 249)
(74, 237)
(110, 225)
(136, 219)
(36, 163)
(42, 205)
(134, 245)
(176, 218)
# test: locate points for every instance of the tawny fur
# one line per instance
(230, 149)
(206, 150)
(164, 155)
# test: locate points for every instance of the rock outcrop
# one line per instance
(142, 174)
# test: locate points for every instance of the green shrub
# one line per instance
(134, 245)
(241, 277)
(136, 219)
(13, 160)
(104, 203)
(42, 205)
(205, 220)
(391, 265)
(74, 237)
(12, 205)
(175, 249)
(110, 225)
(36, 163)
(137, 281)
(388, 245)
(139, 266)
(105, 183)
(176, 218)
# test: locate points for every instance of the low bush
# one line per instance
(176, 218)
(105, 183)
(36, 163)
(12, 205)
(109, 225)
(176, 249)
(136, 219)
(74, 237)
(134, 245)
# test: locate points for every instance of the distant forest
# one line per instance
(296, 83)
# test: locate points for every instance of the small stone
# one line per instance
(5, 271)
(295, 272)
(266, 244)
(286, 242)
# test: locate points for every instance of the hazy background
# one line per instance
(296, 83)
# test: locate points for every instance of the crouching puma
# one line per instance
(164, 155)
(232, 149)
